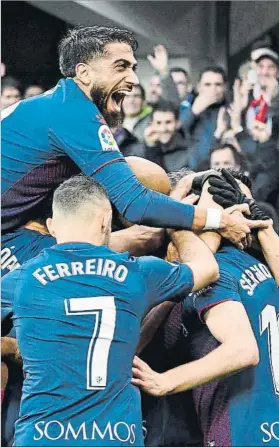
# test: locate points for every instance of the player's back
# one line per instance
(34, 159)
(247, 403)
(20, 246)
(255, 395)
(77, 315)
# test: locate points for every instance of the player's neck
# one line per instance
(78, 236)
(83, 88)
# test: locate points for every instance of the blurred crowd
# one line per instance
(211, 125)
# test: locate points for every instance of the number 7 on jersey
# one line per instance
(103, 307)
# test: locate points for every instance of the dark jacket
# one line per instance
(172, 156)
(199, 132)
(263, 165)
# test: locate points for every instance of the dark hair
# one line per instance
(34, 84)
(179, 70)
(72, 193)
(83, 43)
(142, 91)
(175, 176)
(215, 69)
(9, 81)
(166, 106)
(238, 156)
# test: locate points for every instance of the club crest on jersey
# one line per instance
(107, 140)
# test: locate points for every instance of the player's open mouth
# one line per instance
(118, 97)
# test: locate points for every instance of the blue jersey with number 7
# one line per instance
(77, 310)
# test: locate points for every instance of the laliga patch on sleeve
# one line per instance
(107, 140)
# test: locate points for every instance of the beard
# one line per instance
(99, 97)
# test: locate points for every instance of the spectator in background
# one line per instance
(255, 113)
(184, 88)
(164, 143)
(161, 85)
(33, 90)
(11, 91)
(226, 156)
(200, 120)
(261, 99)
(137, 113)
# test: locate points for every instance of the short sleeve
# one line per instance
(225, 289)
(81, 131)
(165, 281)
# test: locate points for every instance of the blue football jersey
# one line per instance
(247, 403)
(59, 134)
(77, 311)
(20, 246)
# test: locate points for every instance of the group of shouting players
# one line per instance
(162, 334)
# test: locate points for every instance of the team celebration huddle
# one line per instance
(139, 307)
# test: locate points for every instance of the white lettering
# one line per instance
(48, 269)
(74, 434)
(59, 435)
(258, 273)
(265, 270)
(77, 268)
(246, 287)
(109, 268)
(100, 267)
(63, 269)
(54, 430)
(268, 429)
(144, 429)
(40, 276)
(39, 430)
(90, 267)
(100, 434)
(121, 273)
(8, 260)
(116, 434)
(133, 438)
(253, 276)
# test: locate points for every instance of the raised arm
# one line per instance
(269, 241)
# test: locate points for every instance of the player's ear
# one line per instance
(107, 221)
(50, 226)
(83, 73)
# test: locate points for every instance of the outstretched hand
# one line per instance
(147, 379)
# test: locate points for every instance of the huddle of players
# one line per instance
(77, 307)
(223, 345)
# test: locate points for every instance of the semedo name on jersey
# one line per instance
(98, 266)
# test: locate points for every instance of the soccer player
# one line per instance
(28, 241)
(240, 312)
(76, 309)
(64, 131)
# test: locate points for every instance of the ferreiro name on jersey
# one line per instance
(98, 266)
(253, 276)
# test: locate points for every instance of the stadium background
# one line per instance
(196, 34)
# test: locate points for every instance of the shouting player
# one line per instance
(64, 131)
(240, 312)
(77, 309)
